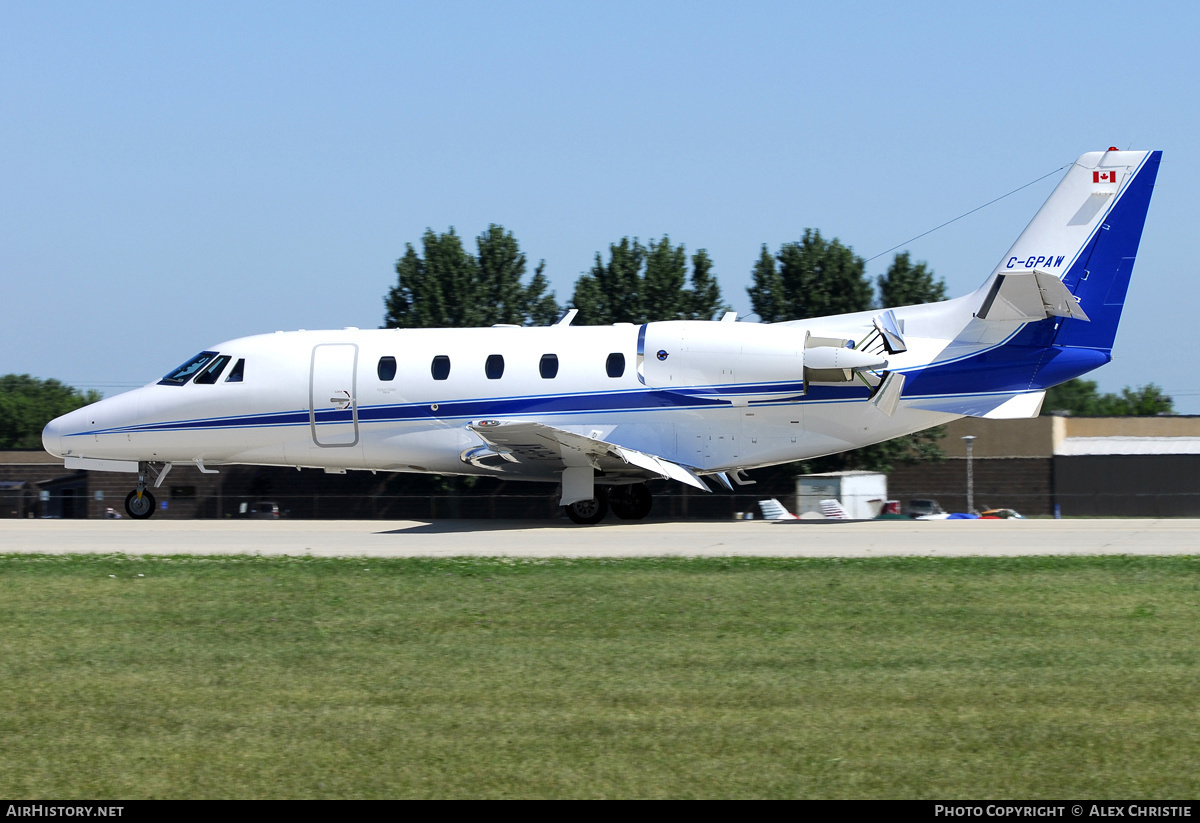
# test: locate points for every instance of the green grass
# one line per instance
(275, 677)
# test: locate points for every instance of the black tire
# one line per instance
(631, 502)
(139, 509)
(588, 512)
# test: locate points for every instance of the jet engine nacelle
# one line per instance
(680, 353)
(687, 353)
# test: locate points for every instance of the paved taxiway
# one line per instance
(448, 538)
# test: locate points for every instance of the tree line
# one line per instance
(446, 285)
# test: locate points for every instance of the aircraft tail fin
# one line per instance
(774, 510)
(1085, 236)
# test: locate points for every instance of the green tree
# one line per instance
(766, 295)
(640, 284)
(447, 286)
(705, 292)
(1082, 398)
(815, 277)
(28, 404)
(662, 285)
(906, 284)
(1146, 401)
(612, 292)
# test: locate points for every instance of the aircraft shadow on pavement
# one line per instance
(471, 526)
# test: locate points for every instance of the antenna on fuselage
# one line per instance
(567, 317)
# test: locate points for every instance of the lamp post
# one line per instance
(969, 439)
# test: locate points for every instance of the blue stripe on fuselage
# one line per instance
(1015, 366)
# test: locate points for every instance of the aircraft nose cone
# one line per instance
(52, 437)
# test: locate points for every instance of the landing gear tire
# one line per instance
(631, 502)
(139, 508)
(588, 512)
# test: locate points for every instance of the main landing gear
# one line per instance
(139, 503)
(630, 502)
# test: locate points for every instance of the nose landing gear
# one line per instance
(139, 503)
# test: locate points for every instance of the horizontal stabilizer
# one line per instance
(1029, 296)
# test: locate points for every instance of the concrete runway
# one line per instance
(450, 538)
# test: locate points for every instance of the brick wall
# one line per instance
(1021, 483)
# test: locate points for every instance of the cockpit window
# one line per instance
(235, 374)
(212, 371)
(188, 370)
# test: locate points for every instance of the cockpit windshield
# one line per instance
(212, 371)
(185, 372)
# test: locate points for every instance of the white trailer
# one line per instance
(862, 494)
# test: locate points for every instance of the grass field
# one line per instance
(296, 677)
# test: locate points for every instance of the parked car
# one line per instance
(263, 510)
(920, 507)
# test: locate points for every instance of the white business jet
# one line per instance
(601, 410)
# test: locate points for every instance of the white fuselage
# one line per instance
(291, 409)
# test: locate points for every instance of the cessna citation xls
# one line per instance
(601, 410)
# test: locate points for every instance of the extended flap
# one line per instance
(537, 442)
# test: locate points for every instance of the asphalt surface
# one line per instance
(449, 538)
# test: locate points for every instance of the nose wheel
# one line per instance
(139, 506)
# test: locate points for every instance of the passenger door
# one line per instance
(333, 395)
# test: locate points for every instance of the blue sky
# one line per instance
(175, 175)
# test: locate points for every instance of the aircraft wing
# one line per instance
(557, 449)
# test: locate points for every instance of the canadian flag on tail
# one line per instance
(1104, 177)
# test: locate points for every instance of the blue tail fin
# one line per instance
(1099, 275)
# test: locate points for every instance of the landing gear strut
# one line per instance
(139, 503)
(630, 502)
(588, 512)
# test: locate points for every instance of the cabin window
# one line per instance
(212, 371)
(235, 374)
(494, 368)
(386, 368)
(549, 366)
(188, 370)
(441, 367)
(615, 365)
